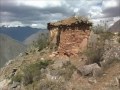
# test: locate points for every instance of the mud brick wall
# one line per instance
(73, 42)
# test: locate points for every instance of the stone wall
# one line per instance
(73, 42)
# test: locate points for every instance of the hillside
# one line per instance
(115, 27)
(34, 37)
(9, 48)
(46, 70)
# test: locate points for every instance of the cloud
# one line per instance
(95, 12)
(110, 3)
(36, 13)
(28, 14)
(12, 24)
(107, 12)
(111, 8)
(40, 3)
(31, 13)
(39, 25)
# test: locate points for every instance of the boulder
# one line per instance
(111, 53)
(60, 62)
(15, 84)
(92, 80)
(93, 69)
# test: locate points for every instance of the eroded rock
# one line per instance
(93, 69)
(60, 62)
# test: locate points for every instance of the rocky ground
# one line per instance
(48, 71)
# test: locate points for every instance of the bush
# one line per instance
(102, 27)
(119, 37)
(95, 49)
(17, 78)
(106, 35)
(98, 29)
(94, 54)
(50, 85)
(42, 42)
(66, 71)
(119, 34)
(119, 40)
(33, 73)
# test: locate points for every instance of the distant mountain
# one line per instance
(19, 33)
(9, 48)
(115, 27)
(34, 37)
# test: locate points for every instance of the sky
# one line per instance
(37, 13)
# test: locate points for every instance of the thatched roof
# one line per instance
(71, 20)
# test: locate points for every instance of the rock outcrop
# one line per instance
(92, 69)
(111, 51)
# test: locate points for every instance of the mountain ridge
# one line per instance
(115, 27)
(9, 48)
(19, 33)
(34, 37)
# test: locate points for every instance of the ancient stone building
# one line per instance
(70, 35)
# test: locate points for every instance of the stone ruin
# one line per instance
(69, 36)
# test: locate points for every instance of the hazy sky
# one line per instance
(37, 13)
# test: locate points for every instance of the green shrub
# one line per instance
(42, 42)
(94, 55)
(17, 78)
(106, 35)
(66, 71)
(118, 37)
(119, 40)
(118, 33)
(100, 28)
(32, 71)
(95, 51)
(50, 85)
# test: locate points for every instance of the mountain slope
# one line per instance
(45, 70)
(34, 37)
(115, 27)
(9, 48)
(19, 33)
